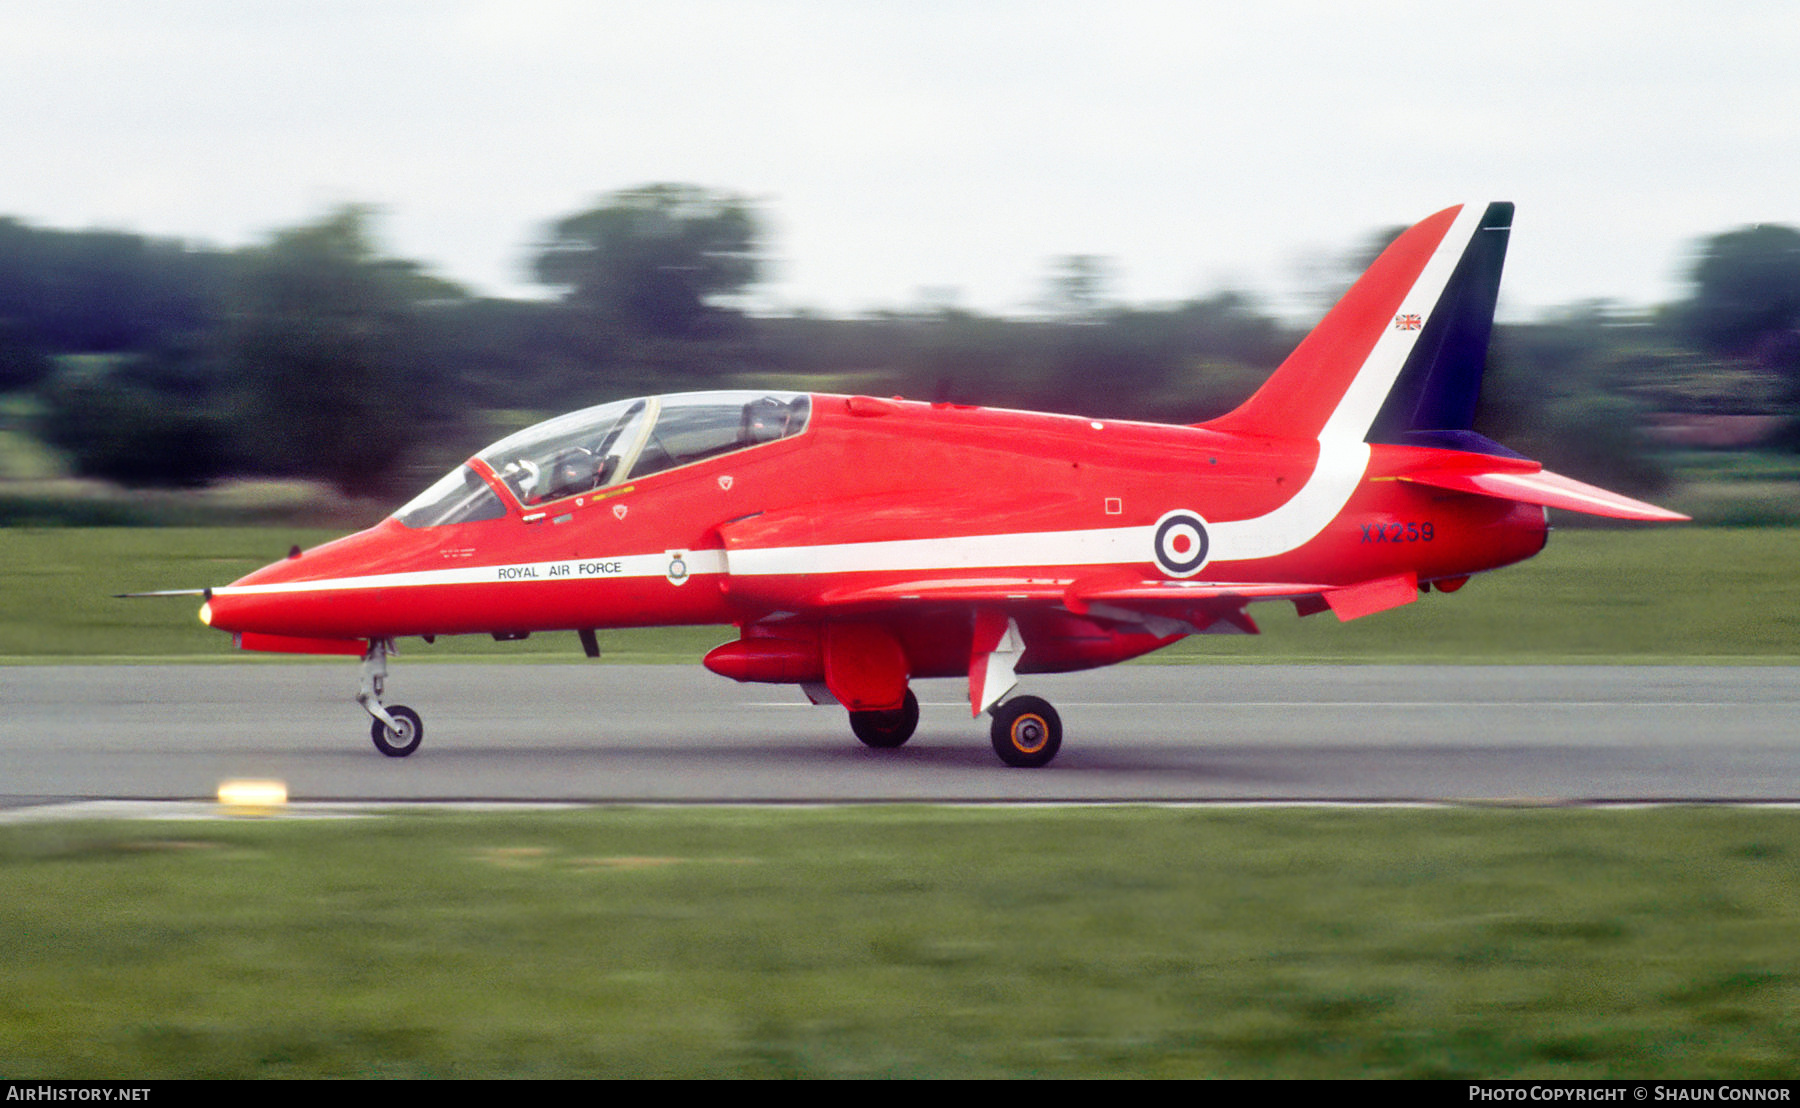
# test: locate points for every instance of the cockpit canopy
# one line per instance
(604, 446)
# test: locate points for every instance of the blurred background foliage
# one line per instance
(149, 363)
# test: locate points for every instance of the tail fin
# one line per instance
(1400, 357)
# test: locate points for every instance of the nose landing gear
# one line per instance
(396, 729)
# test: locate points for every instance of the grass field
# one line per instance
(1663, 594)
(894, 941)
(897, 941)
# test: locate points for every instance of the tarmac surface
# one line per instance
(1155, 733)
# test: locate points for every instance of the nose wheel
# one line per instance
(396, 729)
(403, 737)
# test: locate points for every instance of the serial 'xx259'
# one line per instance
(859, 543)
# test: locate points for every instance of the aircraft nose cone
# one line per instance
(289, 596)
(226, 610)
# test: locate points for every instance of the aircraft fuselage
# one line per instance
(885, 492)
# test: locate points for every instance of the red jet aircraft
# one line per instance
(860, 543)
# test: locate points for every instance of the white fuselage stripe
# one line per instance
(695, 563)
(1342, 462)
(1336, 476)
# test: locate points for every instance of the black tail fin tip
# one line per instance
(1435, 395)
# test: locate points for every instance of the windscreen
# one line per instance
(460, 496)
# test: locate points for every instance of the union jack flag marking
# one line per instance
(1407, 322)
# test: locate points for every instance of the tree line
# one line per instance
(315, 354)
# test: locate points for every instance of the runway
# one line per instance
(606, 733)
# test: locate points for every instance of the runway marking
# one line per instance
(1711, 705)
(189, 810)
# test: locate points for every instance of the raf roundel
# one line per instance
(1180, 543)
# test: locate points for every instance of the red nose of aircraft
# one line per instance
(333, 593)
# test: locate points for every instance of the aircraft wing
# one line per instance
(999, 589)
(1076, 593)
(1161, 606)
(1119, 598)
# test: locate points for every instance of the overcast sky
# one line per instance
(895, 147)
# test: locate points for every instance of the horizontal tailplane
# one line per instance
(1517, 479)
(1550, 490)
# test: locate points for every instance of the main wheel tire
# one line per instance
(398, 744)
(887, 730)
(1027, 732)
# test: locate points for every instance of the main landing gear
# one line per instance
(1026, 730)
(396, 729)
